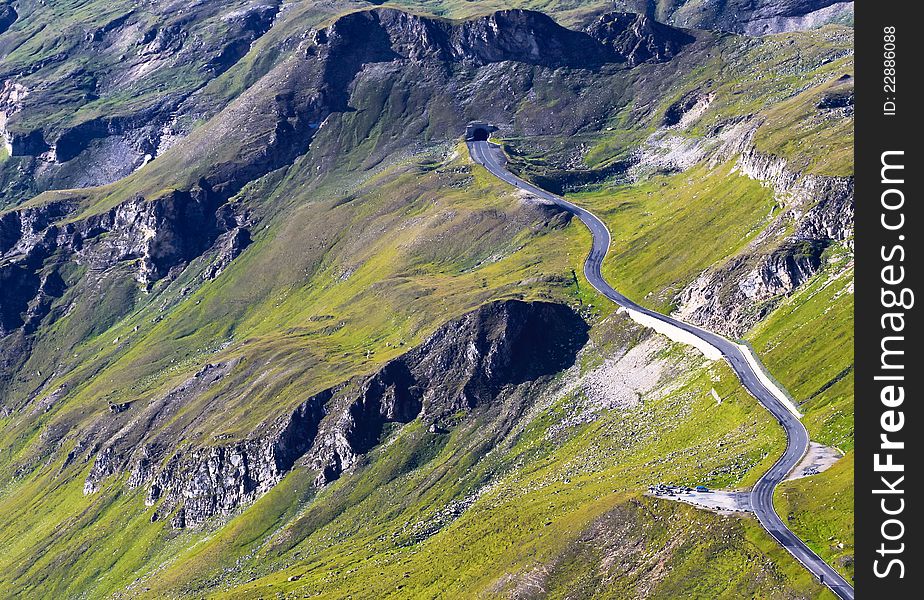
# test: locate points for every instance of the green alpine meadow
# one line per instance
(527, 299)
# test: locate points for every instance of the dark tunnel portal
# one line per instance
(480, 135)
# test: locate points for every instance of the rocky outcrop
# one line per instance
(464, 365)
(27, 238)
(134, 429)
(783, 270)
(61, 148)
(158, 237)
(8, 16)
(20, 286)
(687, 109)
(97, 151)
(635, 39)
(246, 25)
(819, 211)
(516, 35)
(217, 480)
(474, 361)
(822, 207)
(228, 247)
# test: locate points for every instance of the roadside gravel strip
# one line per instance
(739, 357)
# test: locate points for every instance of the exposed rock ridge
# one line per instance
(131, 46)
(8, 16)
(158, 237)
(635, 39)
(817, 210)
(471, 362)
(125, 142)
(464, 365)
(514, 35)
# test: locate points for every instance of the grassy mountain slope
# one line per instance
(818, 322)
(820, 510)
(327, 326)
(361, 244)
(669, 227)
(617, 463)
(383, 529)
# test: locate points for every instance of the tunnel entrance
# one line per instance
(478, 131)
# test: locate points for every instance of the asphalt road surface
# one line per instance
(797, 439)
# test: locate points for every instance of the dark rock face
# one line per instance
(469, 363)
(27, 238)
(523, 36)
(160, 236)
(841, 99)
(635, 39)
(8, 16)
(676, 111)
(464, 365)
(31, 143)
(246, 27)
(786, 8)
(20, 285)
(512, 35)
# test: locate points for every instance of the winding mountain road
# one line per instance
(797, 440)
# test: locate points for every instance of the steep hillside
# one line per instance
(264, 327)
(330, 109)
(758, 223)
(91, 91)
